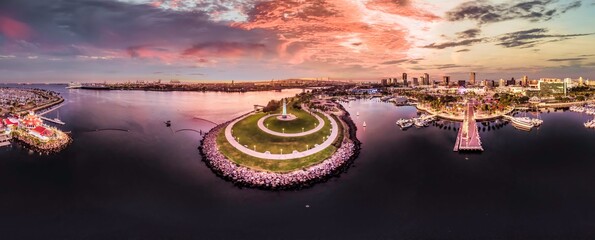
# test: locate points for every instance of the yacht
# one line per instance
(404, 123)
(590, 124)
(523, 123)
(74, 85)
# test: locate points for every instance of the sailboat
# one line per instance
(364, 124)
(57, 119)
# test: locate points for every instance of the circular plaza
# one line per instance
(291, 146)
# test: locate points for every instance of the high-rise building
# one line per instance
(502, 83)
(581, 81)
(426, 79)
(472, 78)
(445, 80)
(525, 81)
(404, 77)
(384, 82)
(415, 82)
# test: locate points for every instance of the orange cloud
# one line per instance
(338, 31)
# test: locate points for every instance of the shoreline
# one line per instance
(243, 176)
(36, 148)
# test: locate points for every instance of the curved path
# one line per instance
(311, 151)
(260, 124)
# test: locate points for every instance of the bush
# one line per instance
(272, 106)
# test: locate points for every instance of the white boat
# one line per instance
(73, 85)
(419, 123)
(364, 124)
(523, 123)
(357, 114)
(404, 123)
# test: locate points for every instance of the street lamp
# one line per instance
(255, 148)
(302, 129)
(267, 125)
(281, 151)
(307, 147)
(283, 130)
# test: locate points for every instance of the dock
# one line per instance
(46, 111)
(4, 140)
(56, 121)
(468, 137)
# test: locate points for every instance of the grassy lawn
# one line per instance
(249, 134)
(270, 165)
(304, 121)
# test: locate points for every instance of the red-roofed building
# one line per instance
(41, 132)
(10, 122)
(31, 121)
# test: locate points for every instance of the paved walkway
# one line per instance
(260, 124)
(311, 151)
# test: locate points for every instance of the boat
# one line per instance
(523, 123)
(74, 85)
(95, 87)
(404, 123)
(357, 114)
(590, 124)
(168, 123)
(364, 124)
(419, 123)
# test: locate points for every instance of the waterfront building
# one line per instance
(472, 78)
(31, 121)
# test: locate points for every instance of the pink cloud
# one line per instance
(14, 29)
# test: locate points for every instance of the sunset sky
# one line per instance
(110, 40)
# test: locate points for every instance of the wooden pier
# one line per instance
(4, 140)
(468, 137)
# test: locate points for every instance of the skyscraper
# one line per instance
(525, 81)
(445, 80)
(415, 82)
(472, 78)
(426, 79)
(405, 78)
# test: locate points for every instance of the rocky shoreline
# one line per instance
(247, 177)
(41, 148)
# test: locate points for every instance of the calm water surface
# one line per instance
(150, 182)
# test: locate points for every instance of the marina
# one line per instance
(468, 138)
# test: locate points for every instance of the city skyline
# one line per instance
(147, 40)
